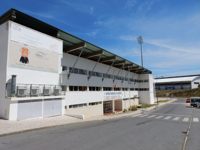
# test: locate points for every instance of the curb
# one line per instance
(104, 118)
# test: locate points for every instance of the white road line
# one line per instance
(176, 118)
(143, 115)
(195, 119)
(159, 117)
(167, 118)
(186, 119)
(151, 116)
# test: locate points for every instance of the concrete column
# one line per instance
(67, 89)
(113, 105)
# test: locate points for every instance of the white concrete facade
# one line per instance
(19, 108)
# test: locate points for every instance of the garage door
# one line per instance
(30, 109)
(52, 107)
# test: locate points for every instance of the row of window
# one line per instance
(84, 104)
(103, 75)
(77, 105)
(92, 88)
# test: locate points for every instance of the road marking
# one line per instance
(151, 116)
(159, 117)
(167, 118)
(185, 119)
(176, 118)
(143, 115)
(195, 119)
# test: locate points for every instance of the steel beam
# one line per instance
(74, 47)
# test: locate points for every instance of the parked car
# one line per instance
(195, 102)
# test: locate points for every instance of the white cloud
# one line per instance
(79, 6)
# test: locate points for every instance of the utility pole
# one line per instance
(140, 41)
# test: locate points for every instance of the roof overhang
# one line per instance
(72, 44)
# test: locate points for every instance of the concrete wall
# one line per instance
(31, 76)
(4, 104)
(126, 104)
(86, 111)
(79, 97)
(147, 96)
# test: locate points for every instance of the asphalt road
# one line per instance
(161, 129)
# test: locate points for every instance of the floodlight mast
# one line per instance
(140, 41)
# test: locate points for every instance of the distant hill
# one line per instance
(179, 93)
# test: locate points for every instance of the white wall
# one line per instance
(4, 104)
(82, 80)
(193, 85)
(147, 96)
(31, 76)
(76, 79)
(79, 97)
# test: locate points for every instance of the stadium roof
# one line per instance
(187, 78)
(72, 44)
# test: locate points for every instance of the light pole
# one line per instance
(140, 41)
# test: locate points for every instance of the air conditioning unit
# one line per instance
(21, 91)
(57, 91)
(34, 91)
(47, 91)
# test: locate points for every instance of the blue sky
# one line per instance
(170, 28)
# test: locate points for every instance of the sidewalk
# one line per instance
(11, 127)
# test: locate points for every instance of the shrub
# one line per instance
(132, 108)
(125, 110)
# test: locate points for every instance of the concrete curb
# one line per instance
(105, 118)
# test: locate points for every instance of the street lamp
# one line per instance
(140, 41)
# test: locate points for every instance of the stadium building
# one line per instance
(186, 82)
(45, 72)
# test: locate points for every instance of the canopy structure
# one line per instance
(74, 45)
(177, 79)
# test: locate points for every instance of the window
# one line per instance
(107, 89)
(82, 88)
(82, 71)
(77, 105)
(107, 76)
(78, 71)
(64, 68)
(117, 89)
(125, 89)
(77, 88)
(93, 88)
(95, 103)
